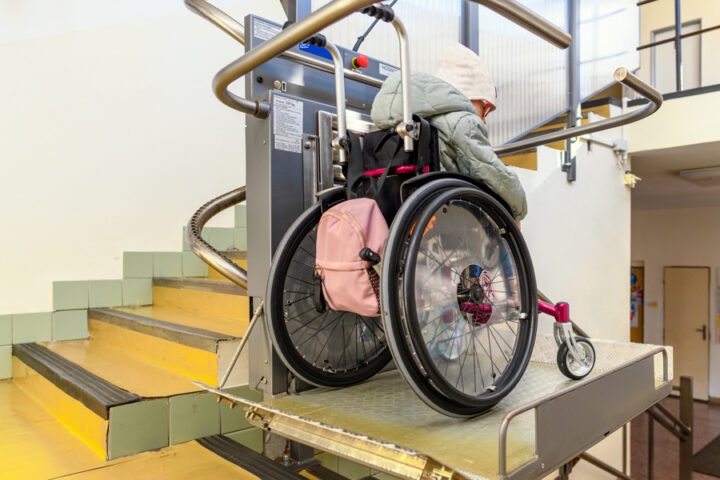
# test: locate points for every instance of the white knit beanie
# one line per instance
(463, 69)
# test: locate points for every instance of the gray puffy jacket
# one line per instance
(464, 145)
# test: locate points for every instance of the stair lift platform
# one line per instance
(545, 422)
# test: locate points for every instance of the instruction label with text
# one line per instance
(287, 124)
(264, 30)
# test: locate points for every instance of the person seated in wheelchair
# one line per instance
(456, 101)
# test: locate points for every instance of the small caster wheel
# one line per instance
(571, 368)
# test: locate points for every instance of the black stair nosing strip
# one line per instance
(247, 458)
(207, 285)
(97, 394)
(188, 336)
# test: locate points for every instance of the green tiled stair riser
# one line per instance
(69, 325)
(101, 294)
(241, 216)
(145, 265)
(197, 415)
(32, 327)
(192, 266)
(193, 416)
(233, 418)
(251, 438)
(5, 329)
(5, 361)
(138, 427)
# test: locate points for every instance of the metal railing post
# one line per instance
(651, 446)
(686, 417)
(678, 47)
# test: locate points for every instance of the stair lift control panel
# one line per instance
(288, 145)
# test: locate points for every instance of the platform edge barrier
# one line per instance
(558, 417)
(383, 456)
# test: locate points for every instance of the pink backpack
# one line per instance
(350, 240)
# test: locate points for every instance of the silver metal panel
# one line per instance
(303, 81)
(381, 423)
(432, 26)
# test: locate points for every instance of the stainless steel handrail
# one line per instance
(217, 17)
(237, 31)
(529, 20)
(622, 75)
(205, 251)
(505, 425)
(339, 9)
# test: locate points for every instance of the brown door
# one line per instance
(687, 312)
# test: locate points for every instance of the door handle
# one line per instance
(703, 330)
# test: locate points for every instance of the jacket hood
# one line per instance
(429, 96)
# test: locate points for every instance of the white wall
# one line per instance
(110, 136)
(677, 237)
(579, 239)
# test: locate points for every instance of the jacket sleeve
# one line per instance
(476, 158)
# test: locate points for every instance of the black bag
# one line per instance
(383, 150)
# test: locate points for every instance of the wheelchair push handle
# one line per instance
(406, 129)
(339, 143)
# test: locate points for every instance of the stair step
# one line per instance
(237, 257)
(122, 368)
(200, 284)
(194, 353)
(113, 421)
(92, 391)
(120, 405)
(149, 321)
(36, 445)
(203, 296)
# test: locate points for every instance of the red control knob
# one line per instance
(361, 61)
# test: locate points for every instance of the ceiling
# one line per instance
(661, 186)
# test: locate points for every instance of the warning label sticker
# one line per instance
(386, 70)
(264, 30)
(287, 124)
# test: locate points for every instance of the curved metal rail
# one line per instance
(325, 16)
(204, 250)
(335, 11)
(622, 75)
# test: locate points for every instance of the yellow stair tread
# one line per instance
(232, 327)
(122, 369)
(35, 445)
(187, 461)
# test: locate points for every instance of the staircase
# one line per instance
(598, 107)
(128, 387)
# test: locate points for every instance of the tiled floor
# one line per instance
(707, 428)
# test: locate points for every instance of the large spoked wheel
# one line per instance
(322, 347)
(459, 298)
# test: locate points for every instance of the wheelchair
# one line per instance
(458, 299)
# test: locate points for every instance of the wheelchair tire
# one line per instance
(322, 348)
(447, 295)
